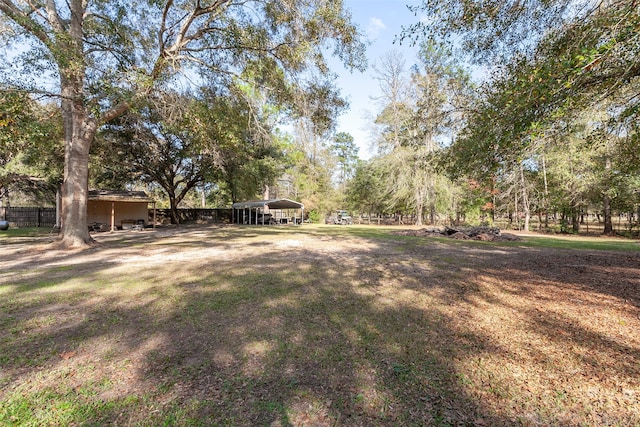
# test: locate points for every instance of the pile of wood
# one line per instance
(484, 233)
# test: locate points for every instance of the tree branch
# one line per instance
(25, 21)
(54, 18)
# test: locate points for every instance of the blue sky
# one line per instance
(381, 21)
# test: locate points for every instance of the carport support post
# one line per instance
(113, 216)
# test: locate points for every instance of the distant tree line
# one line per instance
(551, 133)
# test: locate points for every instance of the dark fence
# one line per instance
(163, 216)
(46, 217)
(385, 219)
(29, 217)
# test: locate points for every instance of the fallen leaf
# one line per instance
(68, 355)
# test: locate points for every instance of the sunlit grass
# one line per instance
(581, 243)
(14, 232)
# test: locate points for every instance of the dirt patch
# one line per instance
(317, 326)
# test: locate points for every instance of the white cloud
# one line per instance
(375, 27)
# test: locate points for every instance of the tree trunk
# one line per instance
(608, 223)
(575, 222)
(540, 222)
(79, 131)
(546, 194)
(563, 221)
(419, 207)
(493, 208)
(525, 200)
(173, 208)
(516, 214)
(606, 200)
(75, 230)
(419, 212)
(4, 202)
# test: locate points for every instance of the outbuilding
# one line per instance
(120, 209)
(273, 211)
(111, 209)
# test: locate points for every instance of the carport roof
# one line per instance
(272, 204)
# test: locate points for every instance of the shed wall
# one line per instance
(99, 211)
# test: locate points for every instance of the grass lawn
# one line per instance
(318, 325)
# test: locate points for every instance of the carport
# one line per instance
(274, 211)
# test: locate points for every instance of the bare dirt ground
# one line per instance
(219, 325)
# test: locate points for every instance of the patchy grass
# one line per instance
(591, 243)
(318, 325)
(14, 232)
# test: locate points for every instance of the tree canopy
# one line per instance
(30, 146)
(98, 58)
(554, 65)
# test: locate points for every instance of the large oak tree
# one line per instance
(99, 56)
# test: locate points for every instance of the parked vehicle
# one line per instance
(340, 217)
(260, 218)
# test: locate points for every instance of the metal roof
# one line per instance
(119, 196)
(272, 204)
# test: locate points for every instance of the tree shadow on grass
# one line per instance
(298, 344)
(381, 335)
(571, 317)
